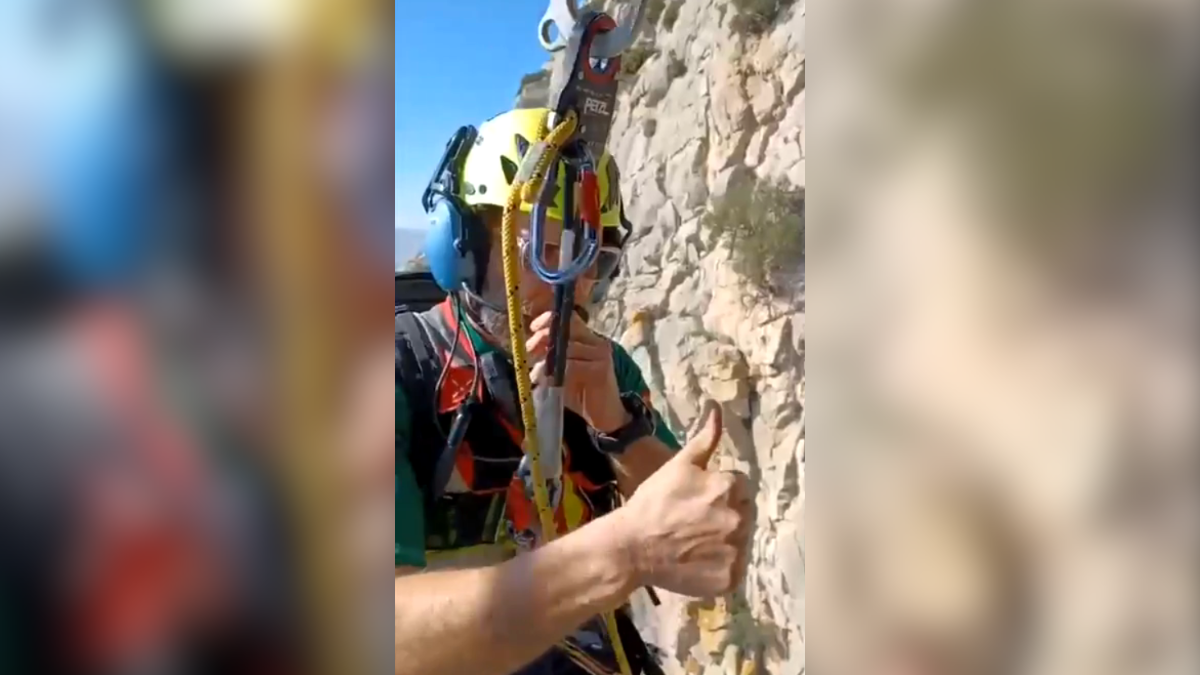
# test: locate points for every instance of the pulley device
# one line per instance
(584, 95)
(584, 91)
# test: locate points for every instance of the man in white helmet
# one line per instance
(474, 590)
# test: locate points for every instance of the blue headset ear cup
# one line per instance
(451, 261)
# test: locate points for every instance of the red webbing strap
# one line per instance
(139, 556)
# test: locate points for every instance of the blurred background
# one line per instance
(1003, 344)
(193, 206)
(194, 420)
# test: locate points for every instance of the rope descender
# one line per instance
(583, 103)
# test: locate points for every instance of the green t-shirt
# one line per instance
(410, 509)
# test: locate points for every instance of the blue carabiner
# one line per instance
(579, 265)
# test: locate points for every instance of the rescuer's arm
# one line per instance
(494, 620)
(686, 531)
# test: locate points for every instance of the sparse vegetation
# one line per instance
(649, 127)
(755, 17)
(635, 57)
(763, 223)
(671, 14)
(676, 68)
(1065, 153)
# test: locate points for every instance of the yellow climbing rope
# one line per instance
(526, 187)
(516, 325)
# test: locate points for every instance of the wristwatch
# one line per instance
(640, 426)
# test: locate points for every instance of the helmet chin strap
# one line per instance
(474, 308)
(473, 297)
(473, 303)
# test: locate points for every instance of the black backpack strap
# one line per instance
(418, 366)
(500, 380)
(425, 359)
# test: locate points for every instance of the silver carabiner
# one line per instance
(561, 14)
(564, 15)
(587, 257)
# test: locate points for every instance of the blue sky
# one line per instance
(456, 63)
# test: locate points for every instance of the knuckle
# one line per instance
(743, 543)
(742, 483)
(744, 513)
(722, 486)
(731, 524)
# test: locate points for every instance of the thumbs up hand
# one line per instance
(689, 527)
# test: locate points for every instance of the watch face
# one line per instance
(638, 404)
(643, 422)
(639, 427)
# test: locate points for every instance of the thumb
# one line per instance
(699, 450)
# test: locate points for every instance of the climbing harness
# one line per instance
(582, 110)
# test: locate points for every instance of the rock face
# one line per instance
(706, 106)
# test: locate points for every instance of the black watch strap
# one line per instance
(641, 426)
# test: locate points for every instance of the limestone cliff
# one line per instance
(713, 99)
